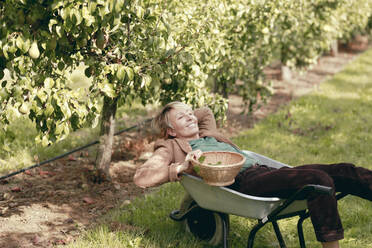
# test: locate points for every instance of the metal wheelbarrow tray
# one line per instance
(211, 205)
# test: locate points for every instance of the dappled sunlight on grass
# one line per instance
(352, 83)
(344, 95)
(145, 223)
(18, 161)
(103, 237)
(24, 151)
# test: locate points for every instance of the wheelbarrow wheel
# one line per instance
(204, 224)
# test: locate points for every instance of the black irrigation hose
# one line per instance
(70, 152)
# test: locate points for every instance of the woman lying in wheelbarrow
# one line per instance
(189, 132)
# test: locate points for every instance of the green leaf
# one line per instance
(146, 80)
(44, 141)
(129, 72)
(120, 74)
(107, 88)
(65, 108)
(59, 31)
(48, 83)
(118, 5)
(5, 51)
(19, 42)
(49, 110)
(201, 159)
(196, 169)
(140, 12)
(41, 95)
(52, 22)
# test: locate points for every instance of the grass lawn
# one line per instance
(333, 124)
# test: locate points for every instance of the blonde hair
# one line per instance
(161, 121)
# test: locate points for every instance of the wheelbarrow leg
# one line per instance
(300, 229)
(278, 234)
(225, 233)
(253, 232)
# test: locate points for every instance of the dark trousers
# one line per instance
(261, 180)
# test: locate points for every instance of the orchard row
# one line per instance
(155, 51)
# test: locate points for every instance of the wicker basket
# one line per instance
(219, 168)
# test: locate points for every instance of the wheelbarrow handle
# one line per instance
(320, 189)
(301, 194)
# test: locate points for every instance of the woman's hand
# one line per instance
(194, 155)
(177, 168)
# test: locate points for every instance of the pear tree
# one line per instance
(129, 51)
(307, 29)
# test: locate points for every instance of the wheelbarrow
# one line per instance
(205, 209)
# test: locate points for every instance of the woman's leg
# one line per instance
(264, 181)
(347, 178)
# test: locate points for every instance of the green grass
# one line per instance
(332, 124)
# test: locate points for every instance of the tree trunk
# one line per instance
(225, 93)
(106, 139)
(334, 48)
(285, 71)
(286, 74)
(221, 88)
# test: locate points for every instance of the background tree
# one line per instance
(128, 51)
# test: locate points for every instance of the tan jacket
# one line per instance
(157, 169)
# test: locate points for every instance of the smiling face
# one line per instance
(184, 124)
